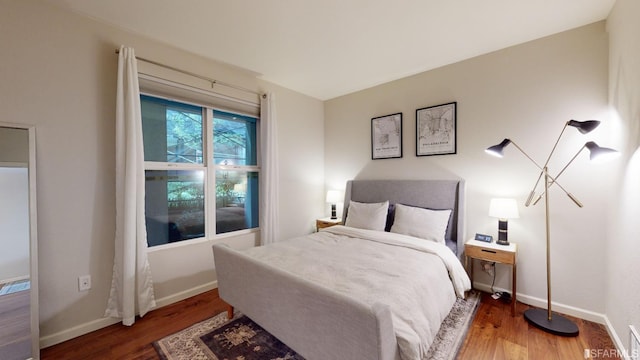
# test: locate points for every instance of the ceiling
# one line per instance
(328, 48)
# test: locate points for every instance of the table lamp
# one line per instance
(503, 209)
(334, 197)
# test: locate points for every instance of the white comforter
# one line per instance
(418, 279)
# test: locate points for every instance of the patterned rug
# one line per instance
(15, 286)
(219, 339)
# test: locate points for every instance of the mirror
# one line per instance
(19, 317)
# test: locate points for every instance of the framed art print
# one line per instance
(386, 137)
(436, 130)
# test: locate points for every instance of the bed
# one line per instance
(341, 293)
(230, 218)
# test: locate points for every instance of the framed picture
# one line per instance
(436, 130)
(386, 137)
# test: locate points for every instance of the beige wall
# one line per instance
(526, 93)
(623, 288)
(59, 74)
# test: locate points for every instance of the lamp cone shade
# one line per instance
(584, 126)
(599, 154)
(498, 150)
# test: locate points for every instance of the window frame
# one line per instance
(209, 168)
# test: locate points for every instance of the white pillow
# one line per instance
(371, 216)
(421, 223)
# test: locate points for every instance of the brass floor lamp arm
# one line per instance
(553, 179)
(533, 191)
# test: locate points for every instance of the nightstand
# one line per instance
(326, 222)
(504, 254)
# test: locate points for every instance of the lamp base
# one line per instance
(502, 232)
(558, 325)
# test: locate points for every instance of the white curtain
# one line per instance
(269, 170)
(131, 285)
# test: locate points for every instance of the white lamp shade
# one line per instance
(334, 196)
(503, 208)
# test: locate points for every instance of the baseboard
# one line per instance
(557, 307)
(79, 330)
(74, 332)
(168, 300)
(616, 340)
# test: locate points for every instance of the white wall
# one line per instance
(527, 93)
(62, 79)
(623, 288)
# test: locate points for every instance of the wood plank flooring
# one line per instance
(15, 323)
(134, 342)
(494, 334)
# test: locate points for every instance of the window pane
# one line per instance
(234, 139)
(172, 131)
(236, 200)
(174, 205)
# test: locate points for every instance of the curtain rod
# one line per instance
(212, 81)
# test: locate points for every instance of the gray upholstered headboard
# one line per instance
(431, 194)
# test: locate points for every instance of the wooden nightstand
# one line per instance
(504, 254)
(326, 222)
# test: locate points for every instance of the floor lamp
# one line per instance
(546, 320)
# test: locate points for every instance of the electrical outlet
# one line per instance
(488, 267)
(84, 283)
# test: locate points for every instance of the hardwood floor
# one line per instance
(134, 342)
(494, 334)
(15, 323)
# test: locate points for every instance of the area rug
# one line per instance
(219, 339)
(16, 286)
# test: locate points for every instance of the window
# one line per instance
(235, 157)
(188, 188)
